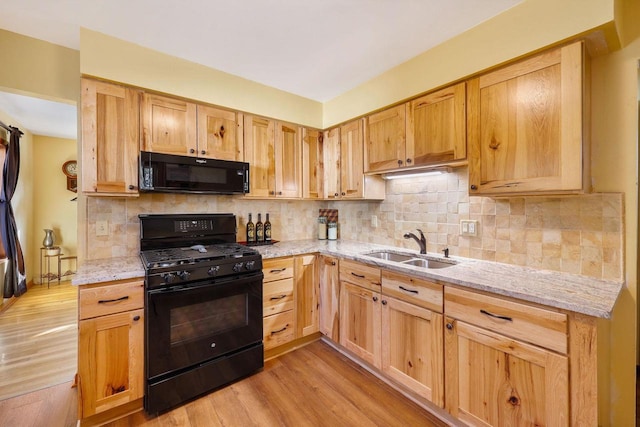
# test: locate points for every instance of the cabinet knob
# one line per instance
(333, 263)
(384, 302)
(474, 187)
(136, 318)
(336, 194)
(408, 161)
(279, 193)
(399, 162)
(191, 150)
(272, 192)
(449, 326)
(203, 152)
(375, 299)
(344, 194)
(132, 187)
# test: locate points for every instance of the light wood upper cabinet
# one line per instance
(525, 126)
(288, 160)
(307, 288)
(385, 139)
(312, 164)
(344, 160)
(436, 127)
(329, 297)
(274, 152)
(110, 139)
(169, 125)
(259, 151)
(219, 134)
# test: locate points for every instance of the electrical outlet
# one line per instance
(468, 227)
(102, 228)
(374, 221)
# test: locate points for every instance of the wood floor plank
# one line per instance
(38, 339)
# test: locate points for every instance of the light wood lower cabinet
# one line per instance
(494, 379)
(329, 312)
(110, 347)
(279, 325)
(360, 324)
(306, 278)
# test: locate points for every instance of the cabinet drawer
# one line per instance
(277, 296)
(416, 291)
(109, 299)
(360, 274)
(538, 326)
(278, 329)
(276, 269)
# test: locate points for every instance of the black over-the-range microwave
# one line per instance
(183, 174)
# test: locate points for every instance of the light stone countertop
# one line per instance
(575, 293)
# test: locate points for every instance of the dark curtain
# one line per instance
(14, 280)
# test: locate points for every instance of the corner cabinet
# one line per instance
(306, 295)
(329, 297)
(110, 139)
(312, 164)
(525, 126)
(110, 350)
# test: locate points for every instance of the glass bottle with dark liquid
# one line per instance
(251, 231)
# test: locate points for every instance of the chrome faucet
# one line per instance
(422, 242)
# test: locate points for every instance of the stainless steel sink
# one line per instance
(389, 256)
(427, 263)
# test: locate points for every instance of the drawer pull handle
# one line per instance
(276, 298)
(413, 291)
(497, 316)
(357, 275)
(280, 330)
(105, 301)
(280, 270)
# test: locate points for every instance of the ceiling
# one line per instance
(40, 116)
(317, 49)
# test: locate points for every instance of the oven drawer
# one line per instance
(110, 299)
(276, 269)
(536, 325)
(277, 296)
(278, 329)
(360, 274)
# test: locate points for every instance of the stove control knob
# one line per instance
(168, 277)
(237, 267)
(184, 275)
(249, 265)
(213, 270)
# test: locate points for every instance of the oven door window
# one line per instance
(193, 324)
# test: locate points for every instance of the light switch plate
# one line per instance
(468, 227)
(374, 221)
(102, 228)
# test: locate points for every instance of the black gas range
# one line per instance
(203, 307)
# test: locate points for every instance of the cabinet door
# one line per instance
(493, 380)
(307, 288)
(436, 127)
(332, 163)
(385, 139)
(412, 348)
(360, 322)
(525, 126)
(288, 160)
(329, 312)
(352, 155)
(110, 361)
(110, 143)
(219, 136)
(259, 152)
(169, 125)
(312, 164)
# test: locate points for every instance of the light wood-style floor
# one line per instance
(38, 339)
(311, 386)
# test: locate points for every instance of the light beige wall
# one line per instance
(52, 202)
(32, 66)
(615, 160)
(121, 61)
(22, 201)
(529, 26)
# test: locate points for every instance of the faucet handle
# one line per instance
(446, 252)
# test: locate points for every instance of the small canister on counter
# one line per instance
(322, 228)
(332, 231)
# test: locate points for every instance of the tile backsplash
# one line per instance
(573, 234)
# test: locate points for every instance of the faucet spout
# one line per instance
(422, 241)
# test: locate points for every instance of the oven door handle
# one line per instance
(206, 283)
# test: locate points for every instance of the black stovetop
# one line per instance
(168, 257)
